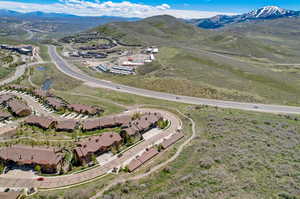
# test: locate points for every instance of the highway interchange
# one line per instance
(69, 70)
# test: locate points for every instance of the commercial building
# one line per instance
(25, 50)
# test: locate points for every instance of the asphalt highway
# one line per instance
(69, 70)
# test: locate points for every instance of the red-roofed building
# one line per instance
(41, 121)
(96, 145)
(66, 125)
(139, 161)
(84, 109)
(50, 159)
(55, 103)
(172, 140)
(18, 108)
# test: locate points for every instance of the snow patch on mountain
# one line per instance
(268, 11)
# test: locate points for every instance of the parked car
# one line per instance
(40, 179)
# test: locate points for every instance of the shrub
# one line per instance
(286, 196)
(136, 116)
(1, 168)
(162, 124)
(38, 168)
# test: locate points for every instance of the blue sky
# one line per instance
(145, 8)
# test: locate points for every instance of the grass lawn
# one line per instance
(5, 72)
(44, 53)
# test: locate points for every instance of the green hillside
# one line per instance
(242, 62)
(152, 30)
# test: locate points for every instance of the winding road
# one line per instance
(69, 70)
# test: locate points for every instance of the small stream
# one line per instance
(41, 68)
(47, 84)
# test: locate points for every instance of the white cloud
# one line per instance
(108, 8)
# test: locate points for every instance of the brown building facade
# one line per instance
(96, 145)
(18, 108)
(41, 121)
(49, 159)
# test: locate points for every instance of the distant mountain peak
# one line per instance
(269, 11)
(264, 13)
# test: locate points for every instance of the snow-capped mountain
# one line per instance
(270, 11)
(265, 13)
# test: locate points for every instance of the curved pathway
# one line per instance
(155, 168)
(69, 70)
(19, 72)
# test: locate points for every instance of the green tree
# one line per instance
(1, 168)
(136, 116)
(94, 159)
(162, 124)
(38, 168)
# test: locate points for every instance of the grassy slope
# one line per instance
(60, 81)
(235, 155)
(44, 53)
(276, 39)
(5, 72)
(153, 30)
(183, 67)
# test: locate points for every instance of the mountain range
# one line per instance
(265, 13)
(42, 15)
(49, 24)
